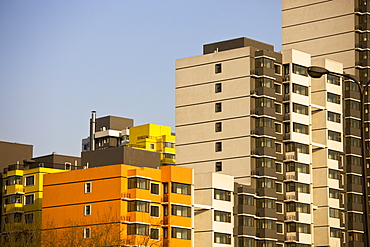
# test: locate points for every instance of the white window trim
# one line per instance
(86, 234)
(65, 166)
(150, 211)
(85, 210)
(24, 203)
(159, 185)
(85, 188)
(159, 235)
(34, 178)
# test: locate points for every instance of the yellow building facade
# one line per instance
(22, 205)
(156, 138)
(119, 205)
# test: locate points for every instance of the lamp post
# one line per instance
(317, 72)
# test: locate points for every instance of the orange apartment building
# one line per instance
(118, 205)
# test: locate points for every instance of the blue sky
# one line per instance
(61, 59)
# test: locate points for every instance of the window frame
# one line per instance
(87, 210)
(88, 187)
(33, 180)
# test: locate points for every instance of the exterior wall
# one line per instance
(12, 153)
(112, 206)
(156, 138)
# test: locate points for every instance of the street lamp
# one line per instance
(317, 72)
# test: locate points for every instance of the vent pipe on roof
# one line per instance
(92, 130)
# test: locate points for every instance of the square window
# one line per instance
(29, 180)
(87, 232)
(68, 166)
(218, 146)
(154, 188)
(218, 166)
(154, 211)
(218, 88)
(154, 233)
(218, 107)
(151, 146)
(218, 127)
(29, 199)
(88, 187)
(218, 68)
(87, 210)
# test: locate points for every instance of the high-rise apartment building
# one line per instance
(339, 30)
(255, 115)
(119, 205)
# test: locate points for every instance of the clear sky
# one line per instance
(61, 59)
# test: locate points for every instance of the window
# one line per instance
(298, 227)
(353, 141)
(151, 146)
(279, 187)
(138, 183)
(181, 233)
(334, 174)
(165, 232)
(218, 88)
(352, 123)
(67, 166)
(138, 206)
(278, 147)
(165, 188)
(355, 217)
(301, 109)
(335, 233)
(264, 82)
(302, 148)
(279, 167)
(266, 224)
(87, 210)
(222, 238)
(181, 210)
(165, 210)
(354, 198)
(333, 117)
(222, 216)
(218, 166)
(299, 70)
(87, 232)
(334, 213)
(277, 88)
(265, 142)
(154, 188)
(264, 102)
(353, 160)
(218, 68)
(264, 122)
(180, 188)
(334, 136)
(333, 193)
(277, 68)
(29, 180)
(354, 236)
(279, 228)
(351, 104)
(279, 207)
(354, 179)
(218, 127)
(29, 199)
(278, 108)
(264, 162)
(12, 180)
(218, 146)
(154, 211)
(137, 229)
(299, 187)
(223, 195)
(28, 218)
(333, 79)
(333, 155)
(88, 187)
(246, 200)
(264, 62)
(351, 86)
(300, 128)
(265, 203)
(299, 89)
(14, 198)
(278, 128)
(218, 107)
(333, 98)
(245, 220)
(265, 183)
(154, 233)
